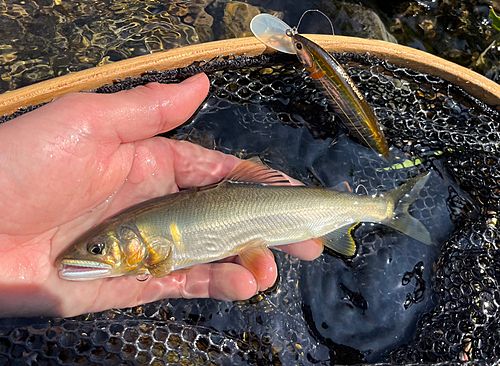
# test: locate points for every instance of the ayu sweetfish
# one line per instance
(255, 206)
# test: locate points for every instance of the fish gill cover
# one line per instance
(397, 301)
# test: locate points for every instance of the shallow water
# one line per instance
(40, 39)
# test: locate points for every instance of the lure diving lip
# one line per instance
(272, 32)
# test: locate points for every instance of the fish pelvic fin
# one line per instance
(253, 170)
(161, 269)
(251, 257)
(341, 240)
(400, 200)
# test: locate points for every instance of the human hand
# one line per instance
(73, 162)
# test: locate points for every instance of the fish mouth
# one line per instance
(81, 270)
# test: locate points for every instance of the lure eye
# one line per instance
(298, 45)
(96, 248)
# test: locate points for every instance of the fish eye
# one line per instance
(298, 45)
(96, 248)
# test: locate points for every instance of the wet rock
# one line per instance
(357, 20)
(459, 31)
(203, 24)
(237, 17)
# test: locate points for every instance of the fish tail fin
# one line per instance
(400, 200)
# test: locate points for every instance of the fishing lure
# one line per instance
(345, 97)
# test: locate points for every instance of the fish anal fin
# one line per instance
(254, 171)
(341, 241)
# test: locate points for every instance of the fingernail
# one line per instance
(193, 78)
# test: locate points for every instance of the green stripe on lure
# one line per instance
(411, 163)
(345, 97)
(254, 207)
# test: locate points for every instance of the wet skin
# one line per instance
(68, 165)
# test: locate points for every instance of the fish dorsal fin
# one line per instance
(254, 171)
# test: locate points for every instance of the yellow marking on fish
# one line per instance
(351, 229)
(176, 236)
(135, 253)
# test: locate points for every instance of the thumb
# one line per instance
(141, 112)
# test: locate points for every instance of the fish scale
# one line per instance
(252, 210)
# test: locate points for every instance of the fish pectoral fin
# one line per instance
(158, 249)
(341, 240)
(254, 171)
(159, 256)
(160, 269)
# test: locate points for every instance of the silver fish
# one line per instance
(252, 208)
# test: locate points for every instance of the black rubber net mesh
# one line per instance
(396, 301)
